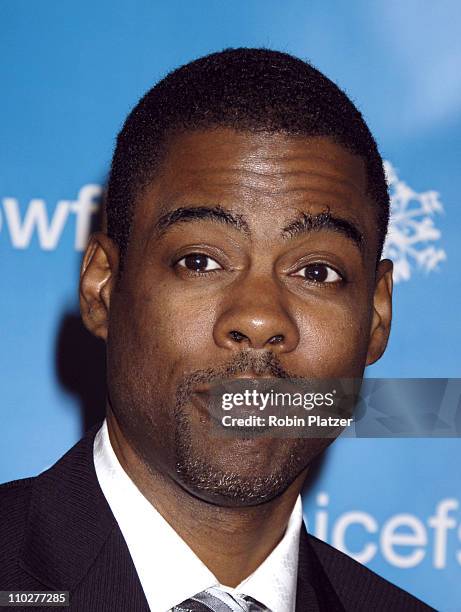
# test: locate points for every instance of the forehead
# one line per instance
(265, 177)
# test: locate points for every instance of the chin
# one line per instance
(230, 489)
(233, 487)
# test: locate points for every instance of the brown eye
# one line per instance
(319, 273)
(198, 262)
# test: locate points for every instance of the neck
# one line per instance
(231, 541)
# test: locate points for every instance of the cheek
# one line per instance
(334, 340)
(174, 324)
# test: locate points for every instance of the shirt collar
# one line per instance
(273, 583)
(169, 571)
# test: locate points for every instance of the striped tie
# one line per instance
(216, 600)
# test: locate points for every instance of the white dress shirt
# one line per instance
(169, 571)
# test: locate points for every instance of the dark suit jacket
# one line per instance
(57, 532)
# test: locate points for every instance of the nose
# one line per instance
(255, 316)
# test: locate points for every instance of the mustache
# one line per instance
(245, 362)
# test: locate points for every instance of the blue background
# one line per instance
(71, 72)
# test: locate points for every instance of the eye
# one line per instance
(319, 273)
(198, 262)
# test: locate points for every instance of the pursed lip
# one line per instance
(211, 405)
(207, 388)
(209, 397)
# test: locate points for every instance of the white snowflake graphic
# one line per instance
(412, 232)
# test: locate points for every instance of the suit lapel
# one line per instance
(312, 578)
(71, 529)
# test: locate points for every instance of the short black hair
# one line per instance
(243, 89)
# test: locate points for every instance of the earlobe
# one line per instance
(97, 277)
(382, 312)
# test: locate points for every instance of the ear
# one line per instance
(382, 312)
(97, 280)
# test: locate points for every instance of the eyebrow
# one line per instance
(199, 213)
(325, 220)
(303, 224)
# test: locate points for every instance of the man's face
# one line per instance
(224, 276)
